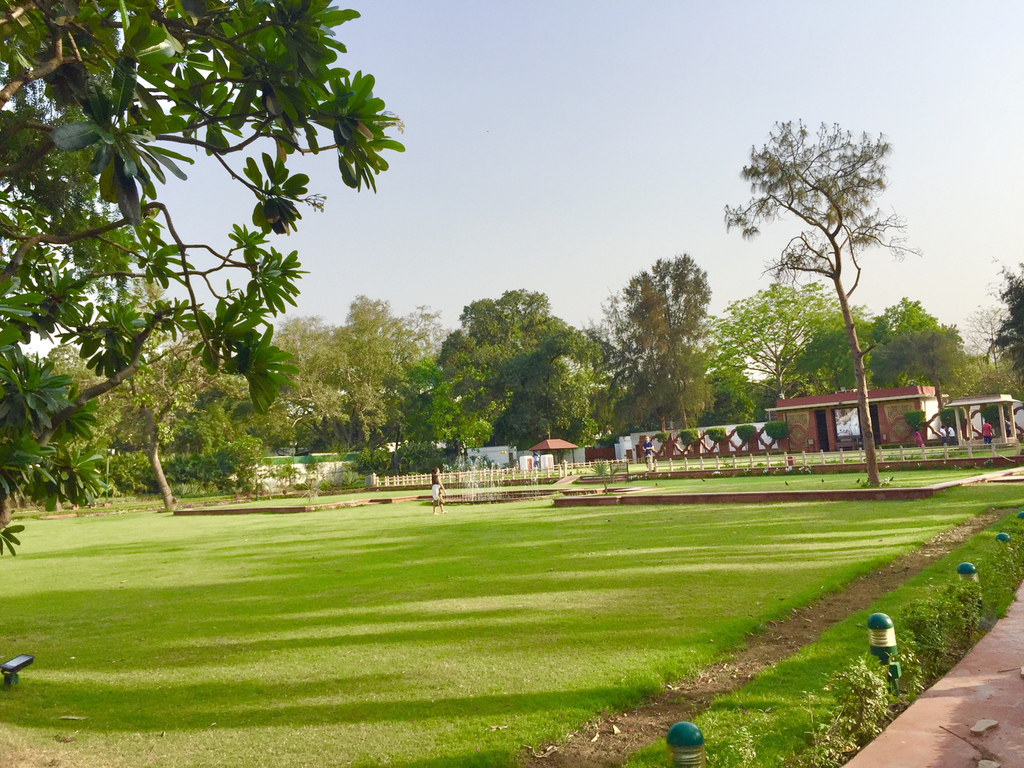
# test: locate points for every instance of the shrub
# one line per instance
(862, 710)
(233, 468)
(286, 474)
(688, 436)
(746, 433)
(243, 458)
(419, 457)
(346, 477)
(131, 473)
(1003, 569)
(373, 460)
(662, 437)
(604, 470)
(716, 434)
(942, 627)
(777, 430)
(948, 417)
(183, 490)
(203, 468)
(915, 419)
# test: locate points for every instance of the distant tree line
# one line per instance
(404, 394)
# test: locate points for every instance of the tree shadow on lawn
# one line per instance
(272, 703)
(235, 619)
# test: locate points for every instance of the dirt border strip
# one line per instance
(609, 740)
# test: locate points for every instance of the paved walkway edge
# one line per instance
(987, 684)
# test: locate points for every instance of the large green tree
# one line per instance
(350, 380)
(656, 336)
(927, 355)
(902, 319)
(138, 88)
(378, 348)
(312, 402)
(911, 345)
(767, 332)
(828, 183)
(824, 364)
(517, 373)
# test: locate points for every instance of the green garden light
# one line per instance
(685, 745)
(1002, 537)
(1020, 515)
(967, 571)
(882, 639)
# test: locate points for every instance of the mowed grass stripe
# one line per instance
(385, 633)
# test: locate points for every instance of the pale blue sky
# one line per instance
(564, 146)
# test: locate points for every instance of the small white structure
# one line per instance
(498, 455)
(967, 411)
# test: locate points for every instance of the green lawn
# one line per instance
(385, 634)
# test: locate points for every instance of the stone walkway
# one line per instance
(936, 731)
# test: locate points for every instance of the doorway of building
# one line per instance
(875, 426)
(821, 418)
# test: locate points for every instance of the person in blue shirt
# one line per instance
(648, 447)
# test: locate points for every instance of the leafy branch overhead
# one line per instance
(101, 103)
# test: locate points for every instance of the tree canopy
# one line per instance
(767, 332)
(518, 370)
(99, 102)
(656, 338)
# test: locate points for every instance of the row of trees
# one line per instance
(514, 373)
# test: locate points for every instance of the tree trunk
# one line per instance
(6, 511)
(867, 432)
(938, 393)
(153, 451)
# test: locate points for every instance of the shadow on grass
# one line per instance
(271, 702)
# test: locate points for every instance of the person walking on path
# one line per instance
(918, 440)
(437, 492)
(986, 433)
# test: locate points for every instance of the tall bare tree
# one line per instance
(829, 183)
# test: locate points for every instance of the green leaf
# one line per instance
(252, 172)
(196, 8)
(98, 106)
(389, 144)
(104, 154)
(124, 84)
(169, 164)
(75, 136)
(9, 336)
(347, 174)
(127, 192)
(242, 106)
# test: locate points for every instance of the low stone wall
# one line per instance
(752, 497)
(828, 469)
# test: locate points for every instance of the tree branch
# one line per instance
(31, 241)
(31, 75)
(215, 149)
(90, 393)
